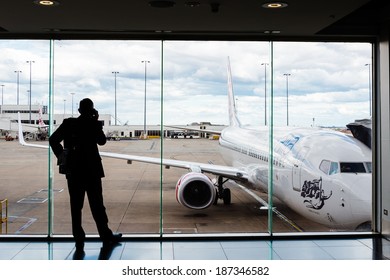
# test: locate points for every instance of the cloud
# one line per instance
(328, 81)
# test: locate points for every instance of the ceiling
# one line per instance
(190, 19)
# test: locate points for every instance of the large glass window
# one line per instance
(119, 76)
(24, 71)
(196, 97)
(270, 158)
(319, 89)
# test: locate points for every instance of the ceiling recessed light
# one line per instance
(192, 4)
(46, 3)
(274, 5)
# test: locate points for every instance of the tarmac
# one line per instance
(139, 197)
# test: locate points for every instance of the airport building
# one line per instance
(9, 127)
(168, 58)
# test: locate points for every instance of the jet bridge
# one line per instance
(361, 130)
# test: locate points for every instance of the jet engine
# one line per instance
(195, 191)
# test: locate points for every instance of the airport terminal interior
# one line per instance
(238, 130)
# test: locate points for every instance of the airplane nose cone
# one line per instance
(366, 226)
(361, 196)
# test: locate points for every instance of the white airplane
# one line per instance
(321, 174)
(40, 131)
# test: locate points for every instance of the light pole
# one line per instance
(17, 86)
(72, 93)
(29, 98)
(369, 84)
(64, 106)
(265, 92)
(2, 98)
(145, 132)
(115, 73)
(287, 75)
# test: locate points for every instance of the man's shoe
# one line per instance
(114, 239)
(79, 254)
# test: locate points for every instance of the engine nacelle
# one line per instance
(195, 191)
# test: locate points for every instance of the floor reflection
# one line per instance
(313, 249)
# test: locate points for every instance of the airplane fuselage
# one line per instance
(310, 171)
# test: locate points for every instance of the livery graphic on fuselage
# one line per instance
(314, 194)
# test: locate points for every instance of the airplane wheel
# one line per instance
(227, 197)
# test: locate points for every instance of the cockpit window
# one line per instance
(369, 167)
(331, 167)
(325, 166)
(352, 167)
(334, 168)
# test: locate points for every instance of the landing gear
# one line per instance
(226, 196)
(223, 193)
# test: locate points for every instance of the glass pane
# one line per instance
(196, 99)
(117, 76)
(24, 84)
(322, 179)
(317, 87)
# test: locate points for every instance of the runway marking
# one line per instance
(266, 206)
(180, 230)
(54, 190)
(37, 199)
(29, 222)
(32, 200)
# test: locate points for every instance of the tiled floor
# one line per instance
(315, 249)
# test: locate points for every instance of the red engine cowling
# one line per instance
(195, 191)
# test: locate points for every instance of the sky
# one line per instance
(186, 81)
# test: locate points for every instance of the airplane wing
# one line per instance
(225, 171)
(36, 125)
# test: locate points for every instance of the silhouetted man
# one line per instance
(80, 161)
